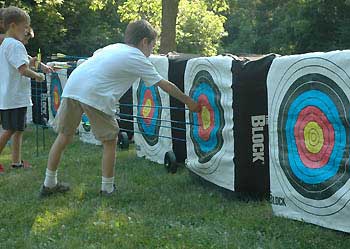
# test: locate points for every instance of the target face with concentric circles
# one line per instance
(316, 135)
(55, 93)
(207, 126)
(209, 134)
(149, 112)
(310, 114)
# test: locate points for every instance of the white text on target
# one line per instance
(258, 123)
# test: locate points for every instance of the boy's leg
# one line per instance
(4, 138)
(67, 120)
(57, 150)
(108, 166)
(105, 128)
(16, 147)
(13, 121)
(108, 158)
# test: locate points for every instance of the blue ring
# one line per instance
(55, 81)
(211, 143)
(203, 83)
(149, 132)
(325, 104)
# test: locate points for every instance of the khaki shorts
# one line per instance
(69, 114)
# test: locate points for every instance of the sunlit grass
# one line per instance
(50, 219)
(152, 209)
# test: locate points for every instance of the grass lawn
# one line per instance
(153, 209)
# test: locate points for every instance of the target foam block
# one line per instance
(152, 127)
(250, 124)
(308, 102)
(176, 74)
(209, 137)
(40, 110)
(55, 84)
(125, 101)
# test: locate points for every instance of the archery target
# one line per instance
(309, 138)
(152, 131)
(209, 138)
(55, 84)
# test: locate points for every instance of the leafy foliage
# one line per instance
(71, 27)
(199, 24)
(206, 27)
(286, 27)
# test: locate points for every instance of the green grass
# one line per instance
(153, 209)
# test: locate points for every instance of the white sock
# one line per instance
(107, 184)
(50, 178)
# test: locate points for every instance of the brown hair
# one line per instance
(136, 31)
(14, 15)
(2, 11)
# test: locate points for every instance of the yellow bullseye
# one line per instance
(205, 117)
(313, 137)
(147, 110)
(56, 98)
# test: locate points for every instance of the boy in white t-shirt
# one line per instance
(15, 74)
(95, 88)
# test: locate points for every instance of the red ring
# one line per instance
(202, 132)
(314, 160)
(57, 101)
(147, 96)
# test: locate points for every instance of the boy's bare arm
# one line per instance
(174, 91)
(44, 68)
(26, 71)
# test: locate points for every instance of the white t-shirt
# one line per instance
(15, 90)
(103, 79)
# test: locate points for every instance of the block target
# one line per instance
(150, 118)
(209, 137)
(309, 137)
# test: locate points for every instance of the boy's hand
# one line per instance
(32, 62)
(40, 77)
(45, 68)
(194, 107)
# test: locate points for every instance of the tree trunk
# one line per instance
(170, 9)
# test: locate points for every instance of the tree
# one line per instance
(287, 27)
(199, 26)
(170, 10)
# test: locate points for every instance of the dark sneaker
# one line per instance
(22, 165)
(61, 187)
(2, 169)
(106, 194)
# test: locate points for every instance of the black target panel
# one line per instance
(40, 108)
(126, 108)
(250, 124)
(177, 67)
